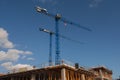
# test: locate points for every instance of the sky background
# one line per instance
(22, 44)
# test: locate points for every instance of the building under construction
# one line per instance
(60, 72)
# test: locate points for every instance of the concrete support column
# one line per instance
(33, 77)
(63, 74)
(83, 77)
(79, 77)
(101, 75)
(68, 75)
(12, 78)
(18, 78)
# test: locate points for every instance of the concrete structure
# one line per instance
(1, 74)
(102, 73)
(58, 72)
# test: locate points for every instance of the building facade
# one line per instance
(59, 72)
(102, 73)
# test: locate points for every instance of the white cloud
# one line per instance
(17, 67)
(12, 54)
(52, 2)
(23, 57)
(7, 65)
(95, 3)
(44, 1)
(4, 42)
(27, 52)
(30, 59)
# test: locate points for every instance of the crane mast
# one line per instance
(57, 58)
(58, 18)
(50, 44)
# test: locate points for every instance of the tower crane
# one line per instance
(58, 18)
(50, 44)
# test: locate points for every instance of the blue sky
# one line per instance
(19, 24)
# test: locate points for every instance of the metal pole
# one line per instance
(57, 58)
(50, 50)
